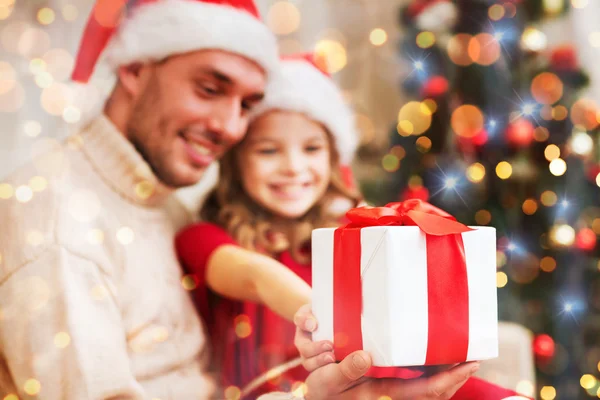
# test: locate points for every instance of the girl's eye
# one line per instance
(313, 149)
(267, 151)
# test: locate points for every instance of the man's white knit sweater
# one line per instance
(91, 298)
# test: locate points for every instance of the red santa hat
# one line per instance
(127, 31)
(432, 15)
(302, 86)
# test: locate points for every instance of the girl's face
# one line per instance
(285, 163)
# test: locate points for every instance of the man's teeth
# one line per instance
(200, 149)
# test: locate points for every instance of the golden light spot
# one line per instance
(467, 121)
(378, 37)
(548, 198)
(62, 340)
(333, 55)
(7, 77)
(580, 4)
(45, 16)
(546, 113)
(552, 152)
(548, 393)
(503, 170)
(233, 393)
(414, 118)
(144, 189)
(484, 49)
(398, 151)
(23, 194)
(562, 235)
(584, 112)
(525, 388)
(390, 163)
(99, 292)
(501, 279)
(189, 282)
(533, 40)
(44, 80)
(588, 381)
(71, 114)
(37, 66)
(11, 397)
(500, 259)
(457, 49)
(38, 183)
(32, 128)
(423, 144)
(558, 167)
(95, 236)
(483, 217)
(160, 334)
(6, 191)
(546, 88)
(32, 387)
(430, 104)
(283, 18)
(560, 113)
(74, 142)
(69, 12)
(581, 143)
(6, 11)
(496, 12)
(125, 235)
(548, 264)
(530, 206)
(35, 238)
(425, 39)
(596, 226)
(84, 205)
(59, 63)
(541, 134)
(242, 325)
(598, 179)
(12, 100)
(476, 172)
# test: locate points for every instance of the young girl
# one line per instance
(251, 257)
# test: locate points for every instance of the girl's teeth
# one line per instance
(200, 149)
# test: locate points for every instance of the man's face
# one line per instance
(189, 109)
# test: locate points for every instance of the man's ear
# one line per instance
(133, 77)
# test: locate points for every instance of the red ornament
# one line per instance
(593, 172)
(564, 58)
(520, 133)
(469, 145)
(418, 192)
(585, 239)
(435, 87)
(543, 347)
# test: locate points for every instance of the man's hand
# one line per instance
(346, 380)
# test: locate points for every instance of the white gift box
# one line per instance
(393, 269)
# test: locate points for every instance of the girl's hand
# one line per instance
(314, 354)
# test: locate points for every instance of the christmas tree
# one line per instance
(497, 133)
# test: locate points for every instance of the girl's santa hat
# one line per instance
(127, 31)
(302, 86)
(432, 15)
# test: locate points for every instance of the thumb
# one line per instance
(349, 370)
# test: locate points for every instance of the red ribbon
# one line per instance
(447, 286)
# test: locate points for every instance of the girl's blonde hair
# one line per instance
(230, 207)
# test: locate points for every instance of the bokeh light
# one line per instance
(378, 37)
(283, 18)
(548, 198)
(483, 217)
(562, 235)
(69, 12)
(581, 143)
(501, 279)
(548, 264)
(496, 12)
(333, 54)
(541, 134)
(390, 163)
(504, 170)
(579, 4)
(414, 118)
(423, 144)
(529, 206)
(33, 42)
(45, 16)
(547, 88)
(558, 167)
(584, 112)
(484, 49)
(594, 39)
(59, 63)
(548, 393)
(467, 121)
(533, 40)
(458, 46)
(560, 113)
(552, 152)
(425, 39)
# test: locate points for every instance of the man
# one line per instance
(92, 300)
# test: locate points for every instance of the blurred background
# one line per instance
(488, 109)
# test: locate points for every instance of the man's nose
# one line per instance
(228, 121)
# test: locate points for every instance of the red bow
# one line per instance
(414, 212)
